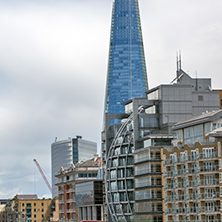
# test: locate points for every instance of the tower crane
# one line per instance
(43, 175)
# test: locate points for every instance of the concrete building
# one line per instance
(132, 150)
(89, 200)
(67, 178)
(193, 171)
(66, 152)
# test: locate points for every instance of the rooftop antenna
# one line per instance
(196, 81)
(180, 59)
(178, 63)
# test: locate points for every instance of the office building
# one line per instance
(67, 178)
(66, 152)
(193, 171)
(89, 200)
(126, 76)
(133, 158)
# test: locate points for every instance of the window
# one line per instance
(34, 204)
(42, 210)
(200, 98)
(34, 210)
(42, 204)
(34, 215)
(42, 215)
(23, 204)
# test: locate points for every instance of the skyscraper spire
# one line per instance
(126, 77)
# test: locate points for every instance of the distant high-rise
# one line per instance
(66, 152)
(127, 77)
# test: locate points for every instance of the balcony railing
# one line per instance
(190, 158)
(190, 210)
(191, 197)
(71, 211)
(191, 171)
(191, 184)
(214, 220)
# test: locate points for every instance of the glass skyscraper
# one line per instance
(127, 77)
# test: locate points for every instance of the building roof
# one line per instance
(73, 167)
(215, 133)
(204, 118)
(27, 197)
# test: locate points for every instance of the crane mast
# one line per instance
(43, 175)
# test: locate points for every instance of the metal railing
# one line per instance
(190, 158)
(192, 197)
(190, 210)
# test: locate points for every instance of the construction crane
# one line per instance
(43, 175)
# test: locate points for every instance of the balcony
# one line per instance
(214, 220)
(196, 170)
(69, 200)
(196, 183)
(61, 192)
(192, 197)
(193, 210)
(190, 159)
(71, 211)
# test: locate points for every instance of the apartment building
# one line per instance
(29, 208)
(192, 170)
(67, 178)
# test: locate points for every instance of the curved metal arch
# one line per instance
(113, 146)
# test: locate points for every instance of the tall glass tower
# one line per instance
(127, 77)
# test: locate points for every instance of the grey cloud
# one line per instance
(53, 63)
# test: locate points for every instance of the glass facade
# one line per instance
(120, 175)
(127, 77)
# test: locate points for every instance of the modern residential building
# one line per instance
(67, 178)
(66, 152)
(126, 76)
(193, 171)
(28, 208)
(133, 153)
(89, 200)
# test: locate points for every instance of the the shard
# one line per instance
(127, 76)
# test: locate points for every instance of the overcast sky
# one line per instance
(53, 65)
